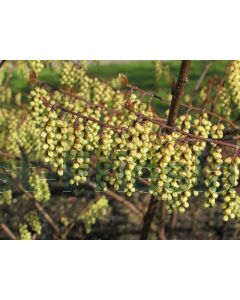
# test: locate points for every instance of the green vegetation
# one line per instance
(141, 73)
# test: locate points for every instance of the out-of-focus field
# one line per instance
(140, 73)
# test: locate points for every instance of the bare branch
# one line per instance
(147, 220)
(8, 232)
(203, 75)
(177, 93)
(47, 218)
(175, 104)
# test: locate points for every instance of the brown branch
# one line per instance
(221, 83)
(203, 75)
(81, 116)
(147, 220)
(174, 107)
(177, 93)
(192, 137)
(189, 107)
(124, 202)
(41, 210)
(8, 232)
(47, 218)
(155, 121)
(192, 108)
(170, 128)
(118, 198)
(198, 109)
(173, 223)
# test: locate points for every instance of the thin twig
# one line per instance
(203, 75)
(198, 109)
(8, 232)
(169, 128)
(81, 116)
(41, 210)
(120, 199)
(190, 107)
(47, 218)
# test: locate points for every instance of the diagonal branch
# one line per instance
(203, 75)
(8, 232)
